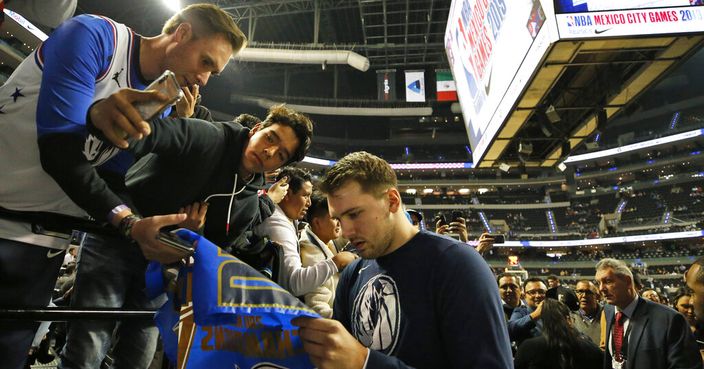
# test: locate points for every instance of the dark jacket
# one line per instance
(193, 159)
(521, 326)
(534, 353)
(660, 338)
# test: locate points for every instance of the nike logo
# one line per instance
(362, 269)
(600, 31)
(487, 85)
(50, 254)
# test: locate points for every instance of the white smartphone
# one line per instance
(166, 84)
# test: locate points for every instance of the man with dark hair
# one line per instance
(316, 246)
(416, 218)
(510, 291)
(640, 333)
(281, 228)
(411, 298)
(525, 320)
(54, 166)
(247, 120)
(553, 281)
(650, 294)
(588, 318)
(220, 164)
(695, 282)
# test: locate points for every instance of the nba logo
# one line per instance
(570, 21)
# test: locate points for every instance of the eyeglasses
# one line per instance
(535, 292)
(584, 292)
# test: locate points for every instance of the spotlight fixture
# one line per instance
(525, 148)
(504, 167)
(561, 167)
(552, 114)
(547, 131)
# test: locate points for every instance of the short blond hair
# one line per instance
(619, 267)
(208, 19)
(373, 174)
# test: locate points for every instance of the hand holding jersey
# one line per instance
(329, 345)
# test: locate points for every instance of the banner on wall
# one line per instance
(386, 84)
(415, 86)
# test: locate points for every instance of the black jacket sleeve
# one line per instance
(177, 137)
(61, 157)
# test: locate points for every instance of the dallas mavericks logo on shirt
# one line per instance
(376, 314)
(97, 152)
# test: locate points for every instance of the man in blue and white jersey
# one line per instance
(51, 166)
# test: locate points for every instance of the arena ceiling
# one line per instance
(579, 79)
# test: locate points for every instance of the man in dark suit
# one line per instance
(695, 282)
(640, 333)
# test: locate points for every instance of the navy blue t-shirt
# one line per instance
(432, 303)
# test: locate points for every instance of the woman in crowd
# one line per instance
(559, 346)
(682, 303)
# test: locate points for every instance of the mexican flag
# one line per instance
(446, 86)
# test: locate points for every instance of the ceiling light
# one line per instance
(411, 191)
(173, 5)
(504, 167)
(482, 190)
(463, 191)
(427, 191)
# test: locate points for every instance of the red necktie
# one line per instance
(618, 337)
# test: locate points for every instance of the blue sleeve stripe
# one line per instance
(114, 47)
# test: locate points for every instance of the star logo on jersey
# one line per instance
(16, 94)
(116, 77)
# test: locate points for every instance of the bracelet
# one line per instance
(125, 227)
(116, 210)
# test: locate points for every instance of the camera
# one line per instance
(498, 238)
(440, 219)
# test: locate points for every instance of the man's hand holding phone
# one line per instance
(118, 118)
(278, 190)
(459, 227)
(125, 113)
(486, 242)
(146, 231)
(171, 239)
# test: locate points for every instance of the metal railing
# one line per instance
(59, 314)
